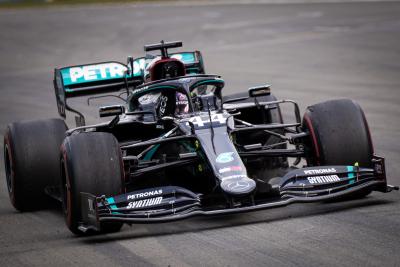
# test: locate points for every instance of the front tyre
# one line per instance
(91, 163)
(339, 135)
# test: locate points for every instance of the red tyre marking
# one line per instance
(68, 189)
(69, 204)
(313, 137)
(12, 172)
(368, 132)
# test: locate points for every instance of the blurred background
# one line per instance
(309, 50)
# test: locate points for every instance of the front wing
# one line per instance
(171, 203)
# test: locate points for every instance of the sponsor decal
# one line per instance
(144, 203)
(138, 66)
(145, 194)
(223, 170)
(225, 157)
(323, 179)
(138, 91)
(230, 169)
(320, 171)
(93, 73)
(163, 105)
(234, 176)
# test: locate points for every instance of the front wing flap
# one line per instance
(171, 203)
(153, 202)
(325, 180)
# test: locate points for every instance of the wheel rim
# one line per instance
(8, 169)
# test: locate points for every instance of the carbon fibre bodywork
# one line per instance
(210, 137)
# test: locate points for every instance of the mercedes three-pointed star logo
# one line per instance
(238, 185)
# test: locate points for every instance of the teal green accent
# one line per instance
(151, 152)
(187, 57)
(192, 71)
(110, 201)
(350, 175)
(138, 66)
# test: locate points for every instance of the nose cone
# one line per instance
(238, 186)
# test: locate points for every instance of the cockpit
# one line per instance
(178, 96)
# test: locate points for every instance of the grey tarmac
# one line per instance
(309, 52)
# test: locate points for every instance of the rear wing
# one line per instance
(108, 77)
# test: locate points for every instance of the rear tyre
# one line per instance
(91, 163)
(31, 161)
(339, 135)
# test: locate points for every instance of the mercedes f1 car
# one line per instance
(181, 147)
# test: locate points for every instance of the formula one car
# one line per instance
(180, 148)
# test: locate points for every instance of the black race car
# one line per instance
(180, 147)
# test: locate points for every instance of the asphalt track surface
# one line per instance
(308, 52)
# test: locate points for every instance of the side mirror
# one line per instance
(111, 111)
(262, 90)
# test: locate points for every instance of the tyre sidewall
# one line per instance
(32, 148)
(87, 169)
(339, 134)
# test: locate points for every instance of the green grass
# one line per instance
(49, 3)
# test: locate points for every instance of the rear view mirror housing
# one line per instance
(262, 90)
(114, 110)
